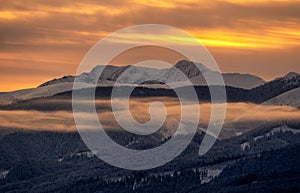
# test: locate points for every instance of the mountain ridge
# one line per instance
(70, 165)
(138, 74)
(258, 95)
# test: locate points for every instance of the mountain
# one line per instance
(137, 74)
(259, 94)
(276, 87)
(281, 91)
(290, 98)
(265, 159)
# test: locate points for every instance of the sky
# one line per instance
(41, 40)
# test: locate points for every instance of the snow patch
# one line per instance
(88, 154)
(245, 145)
(281, 129)
(209, 174)
(3, 174)
(131, 143)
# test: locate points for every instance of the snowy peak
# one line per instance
(191, 69)
(292, 75)
(59, 80)
(287, 82)
(288, 77)
(292, 79)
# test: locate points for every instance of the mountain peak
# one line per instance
(190, 68)
(291, 75)
(185, 64)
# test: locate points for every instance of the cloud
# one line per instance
(237, 113)
(61, 32)
(34, 120)
(72, 20)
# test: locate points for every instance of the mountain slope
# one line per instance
(237, 80)
(44, 91)
(52, 162)
(290, 98)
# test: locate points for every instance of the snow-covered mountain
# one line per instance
(243, 87)
(138, 74)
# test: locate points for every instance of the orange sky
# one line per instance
(40, 40)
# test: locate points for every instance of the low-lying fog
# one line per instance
(252, 114)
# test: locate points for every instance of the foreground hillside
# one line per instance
(263, 160)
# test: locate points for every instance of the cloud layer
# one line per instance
(43, 39)
(237, 113)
